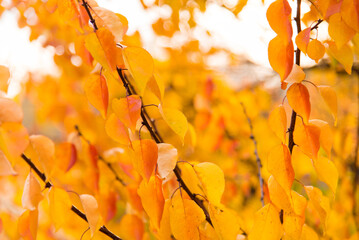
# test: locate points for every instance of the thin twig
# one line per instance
(317, 24)
(258, 160)
(42, 176)
(92, 20)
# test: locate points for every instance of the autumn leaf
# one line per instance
(146, 152)
(298, 98)
(279, 18)
(4, 77)
(32, 193)
(131, 227)
(344, 55)
(128, 110)
(330, 98)
(14, 139)
(339, 31)
(281, 55)
(302, 40)
(327, 172)
(45, 150)
(60, 206)
(27, 224)
(326, 138)
(297, 75)
(278, 122)
(165, 226)
(5, 166)
(175, 120)
(66, 156)
(116, 130)
(315, 50)
(308, 233)
(97, 93)
(278, 195)
(10, 111)
(167, 159)
(307, 137)
(89, 203)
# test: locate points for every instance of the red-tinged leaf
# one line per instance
(167, 159)
(128, 110)
(45, 150)
(114, 22)
(116, 130)
(280, 166)
(147, 153)
(344, 55)
(327, 172)
(267, 225)
(60, 206)
(307, 137)
(279, 18)
(27, 224)
(330, 98)
(326, 135)
(5, 166)
(32, 193)
(10, 111)
(298, 99)
(89, 203)
(176, 120)
(152, 199)
(66, 156)
(4, 77)
(278, 122)
(339, 31)
(350, 14)
(302, 40)
(102, 47)
(131, 227)
(108, 206)
(281, 55)
(140, 64)
(315, 50)
(320, 203)
(14, 139)
(97, 93)
(81, 50)
(93, 169)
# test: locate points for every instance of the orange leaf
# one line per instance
(167, 159)
(131, 227)
(298, 98)
(339, 31)
(32, 193)
(45, 150)
(315, 50)
(97, 93)
(152, 199)
(344, 55)
(279, 18)
(27, 224)
(5, 166)
(140, 64)
(147, 152)
(4, 77)
(320, 203)
(307, 137)
(330, 98)
(278, 195)
(66, 156)
(14, 139)
(281, 55)
(326, 135)
(280, 166)
(116, 130)
(10, 111)
(165, 226)
(278, 122)
(89, 203)
(128, 110)
(302, 40)
(350, 14)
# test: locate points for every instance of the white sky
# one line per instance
(247, 35)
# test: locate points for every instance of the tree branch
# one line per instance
(258, 160)
(48, 184)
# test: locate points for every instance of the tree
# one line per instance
(128, 147)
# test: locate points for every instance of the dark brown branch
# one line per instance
(92, 20)
(42, 176)
(258, 160)
(317, 24)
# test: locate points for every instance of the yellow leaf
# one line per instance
(281, 55)
(5, 166)
(308, 233)
(225, 222)
(280, 166)
(175, 120)
(339, 31)
(128, 110)
(60, 206)
(89, 203)
(298, 99)
(131, 227)
(326, 138)
(297, 75)
(185, 218)
(152, 199)
(10, 111)
(147, 153)
(212, 180)
(156, 85)
(279, 18)
(97, 93)
(167, 159)
(315, 50)
(140, 64)
(277, 194)
(349, 13)
(344, 55)
(278, 122)
(116, 130)
(4, 77)
(27, 224)
(190, 177)
(320, 203)
(330, 98)
(294, 218)
(45, 150)
(165, 226)
(307, 137)
(267, 225)
(327, 172)
(32, 193)
(302, 40)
